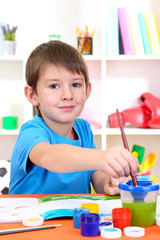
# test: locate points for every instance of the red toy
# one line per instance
(144, 116)
(137, 116)
(152, 103)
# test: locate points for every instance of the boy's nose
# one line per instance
(67, 93)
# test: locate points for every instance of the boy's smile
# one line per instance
(60, 96)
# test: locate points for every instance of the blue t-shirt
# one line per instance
(31, 179)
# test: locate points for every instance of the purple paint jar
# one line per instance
(89, 224)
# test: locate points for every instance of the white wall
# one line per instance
(37, 19)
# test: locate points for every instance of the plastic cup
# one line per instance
(141, 200)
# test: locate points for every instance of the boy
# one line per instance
(55, 152)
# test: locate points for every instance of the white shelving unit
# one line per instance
(122, 79)
(12, 100)
(117, 81)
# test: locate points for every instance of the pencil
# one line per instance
(125, 143)
(20, 230)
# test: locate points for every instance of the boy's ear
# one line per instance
(30, 95)
(88, 90)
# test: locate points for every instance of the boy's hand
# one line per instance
(118, 162)
(111, 185)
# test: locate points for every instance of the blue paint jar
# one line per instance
(89, 224)
(77, 214)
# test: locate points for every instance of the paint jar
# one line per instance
(77, 214)
(141, 200)
(10, 122)
(89, 224)
(93, 207)
(121, 217)
(105, 224)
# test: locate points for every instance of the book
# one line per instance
(152, 30)
(112, 31)
(136, 33)
(125, 30)
(145, 38)
(15, 209)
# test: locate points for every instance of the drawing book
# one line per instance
(15, 209)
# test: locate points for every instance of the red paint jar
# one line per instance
(121, 217)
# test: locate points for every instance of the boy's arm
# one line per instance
(115, 162)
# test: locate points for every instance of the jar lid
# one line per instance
(111, 233)
(33, 221)
(134, 231)
(143, 173)
(143, 186)
(80, 210)
(105, 224)
(121, 212)
(93, 207)
(89, 217)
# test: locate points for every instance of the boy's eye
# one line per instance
(76, 84)
(54, 86)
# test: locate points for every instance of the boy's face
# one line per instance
(60, 95)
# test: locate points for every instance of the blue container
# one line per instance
(139, 192)
(77, 214)
(90, 224)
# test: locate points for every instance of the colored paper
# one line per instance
(112, 31)
(145, 38)
(136, 34)
(125, 30)
(152, 30)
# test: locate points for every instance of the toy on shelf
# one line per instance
(138, 152)
(152, 103)
(137, 116)
(147, 115)
(144, 170)
(149, 162)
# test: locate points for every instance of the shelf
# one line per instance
(133, 131)
(97, 131)
(11, 58)
(9, 132)
(92, 57)
(133, 57)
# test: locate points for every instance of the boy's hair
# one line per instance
(57, 53)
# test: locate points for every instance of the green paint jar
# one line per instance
(10, 122)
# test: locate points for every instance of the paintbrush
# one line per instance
(125, 143)
(19, 230)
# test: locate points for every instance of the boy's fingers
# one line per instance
(112, 190)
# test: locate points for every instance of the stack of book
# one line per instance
(131, 33)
